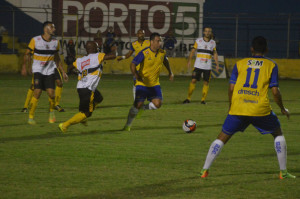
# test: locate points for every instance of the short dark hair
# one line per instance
(46, 23)
(259, 44)
(206, 27)
(153, 35)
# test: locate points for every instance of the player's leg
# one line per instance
(134, 88)
(38, 86)
(231, 125)
(58, 90)
(195, 77)
(98, 98)
(49, 82)
(86, 107)
(206, 78)
(155, 98)
(28, 97)
(141, 95)
(270, 124)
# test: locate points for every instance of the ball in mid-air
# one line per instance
(189, 126)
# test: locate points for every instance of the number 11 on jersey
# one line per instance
(249, 72)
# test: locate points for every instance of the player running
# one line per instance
(249, 104)
(90, 71)
(45, 60)
(150, 60)
(206, 48)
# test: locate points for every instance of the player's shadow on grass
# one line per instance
(58, 134)
(168, 188)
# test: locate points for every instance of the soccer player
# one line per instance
(150, 60)
(249, 104)
(206, 48)
(136, 46)
(45, 59)
(90, 71)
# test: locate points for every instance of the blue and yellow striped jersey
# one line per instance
(252, 78)
(150, 66)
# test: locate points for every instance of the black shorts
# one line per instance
(197, 72)
(43, 81)
(57, 74)
(88, 99)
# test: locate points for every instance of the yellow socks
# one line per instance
(51, 104)
(28, 98)
(204, 92)
(191, 90)
(33, 105)
(75, 119)
(58, 91)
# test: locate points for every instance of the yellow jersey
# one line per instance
(150, 66)
(252, 78)
(137, 47)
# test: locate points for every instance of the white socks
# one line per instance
(280, 148)
(133, 90)
(150, 106)
(214, 150)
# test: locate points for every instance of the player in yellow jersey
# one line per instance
(45, 60)
(136, 47)
(206, 48)
(150, 60)
(249, 104)
(90, 72)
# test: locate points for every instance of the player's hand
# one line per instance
(171, 76)
(66, 78)
(24, 71)
(138, 78)
(285, 112)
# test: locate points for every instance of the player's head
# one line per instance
(49, 28)
(91, 47)
(155, 41)
(259, 45)
(140, 34)
(207, 32)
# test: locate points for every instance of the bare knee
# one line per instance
(59, 83)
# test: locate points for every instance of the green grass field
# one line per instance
(155, 160)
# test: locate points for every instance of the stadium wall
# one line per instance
(288, 68)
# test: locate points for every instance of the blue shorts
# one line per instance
(142, 93)
(264, 124)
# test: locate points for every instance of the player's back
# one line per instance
(252, 77)
(90, 69)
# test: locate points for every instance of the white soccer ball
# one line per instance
(189, 126)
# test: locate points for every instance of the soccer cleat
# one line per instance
(186, 101)
(62, 128)
(31, 121)
(140, 113)
(204, 173)
(126, 128)
(24, 110)
(59, 108)
(203, 102)
(52, 118)
(284, 174)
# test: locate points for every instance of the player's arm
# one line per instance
(233, 78)
(192, 53)
(216, 59)
(60, 67)
(167, 65)
(26, 61)
(136, 61)
(274, 85)
(126, 56)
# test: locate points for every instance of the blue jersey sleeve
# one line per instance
(131, 47)
(274, 77)
(139, 58)
(234, 75)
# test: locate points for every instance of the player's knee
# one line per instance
(59, 83)
(88, 114)
(31, 87)
(277, 132)
(194, 81)
(157, 105)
